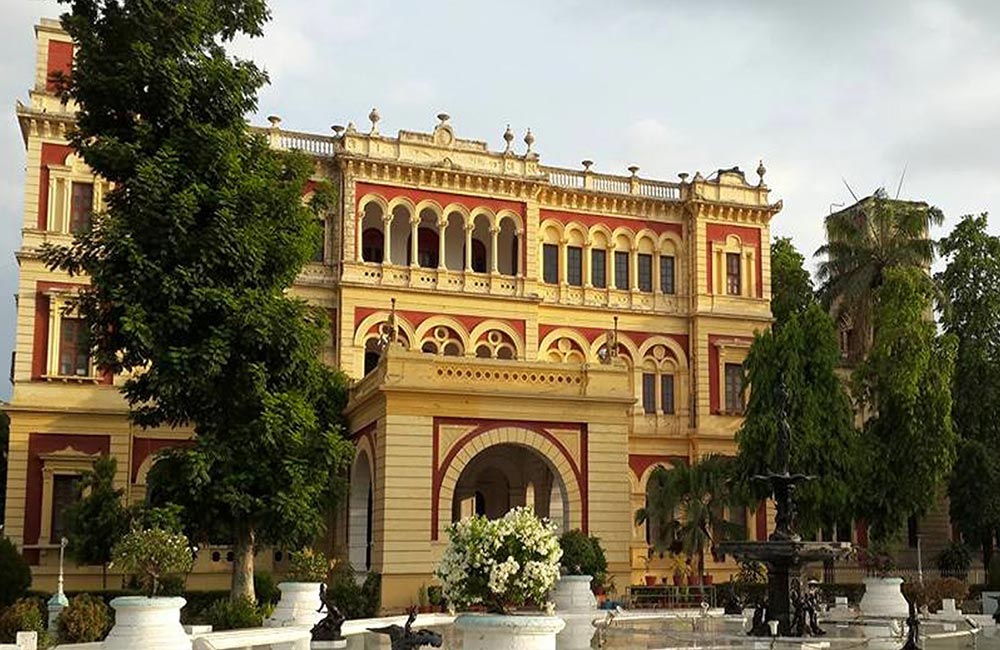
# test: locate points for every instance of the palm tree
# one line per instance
(864, 240)
(701, 492)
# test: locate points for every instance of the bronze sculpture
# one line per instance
(329, 628)
(404, 638)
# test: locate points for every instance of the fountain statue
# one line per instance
(404, 638)
(789, 602)
(329, 628)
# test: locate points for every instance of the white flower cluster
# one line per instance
(500, 563)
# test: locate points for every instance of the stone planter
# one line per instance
(990, 602)
(884, 597)
(495, 632)
(148, 623)
(573, 594)
(298, 606)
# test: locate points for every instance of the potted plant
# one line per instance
(503, 565)
(583, 569)
(883, 592)
(300, 592)
(435, 598)
(677, 565)
(150, 621)
(423, 601)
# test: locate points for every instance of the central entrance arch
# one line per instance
(506, 476)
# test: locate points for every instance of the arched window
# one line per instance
(496, 345)
(444, 341)
(427, 248)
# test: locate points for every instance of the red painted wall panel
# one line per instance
(60, 60)
(52, 154)
(716, 232)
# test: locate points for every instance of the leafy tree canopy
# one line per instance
(205, 230)
(791, 286)
(905, 383)
(685, 507)
(804, 355)
(971, 312)
(98, 519)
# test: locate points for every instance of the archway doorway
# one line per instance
(507, 476)
(359, 523)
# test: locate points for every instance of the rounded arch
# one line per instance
(646, 241)
(428, 325)
(484, 327)
(549, 448)
(575, 234)
(673, 346)
(460, 209)
(623, 238)
(670, 242)
(480, 211)
(401, 201)
(550, 232)
(432, 205)
(360, 506)
(142, 474)
(600, 235)
(564, 332)
(625, 345)
(361, 332)
(733, 241)
(506, 214)
(377, 199)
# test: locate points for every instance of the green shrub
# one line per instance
(15, 574)
(932, 592)
(993, 580)
(197, 603)
(583, 555)
(266, 589)
(308, 566)
(954, 561)
(153, 554)
(173, 585)
(25, 615)
(239, 614)
(354, 600)
(86, 619)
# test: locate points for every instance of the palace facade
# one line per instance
(519, 334)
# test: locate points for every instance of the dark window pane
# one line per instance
(649, 393)
(574, 265)
(81, 206)
(621, 270)
(667, 393)
(74, 357)
(733, 274)
(427, 248)
(599, 268)
(734, 388)
(319, 253)
(372, 245)
(478, 256)
(64, 494)
(645, 269)
(667, 274)
(550, 264)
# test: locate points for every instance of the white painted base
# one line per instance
(573, 594)
(329, 645)
(990, 602)
(884, 597)
(493, 632)
(298, 606)
(147, 623)
(579, 631)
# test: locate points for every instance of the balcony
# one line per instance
(394, 275)
(612, 184)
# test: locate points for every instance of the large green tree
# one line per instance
(204, 233)
(971, 312)
(864, 241)
(905, 384)
(98, 519)
(685, 507)
(791, 286)
(803, 354)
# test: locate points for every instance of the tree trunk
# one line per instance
(104, 576)
(243, 552)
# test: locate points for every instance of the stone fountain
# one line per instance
(790, 602)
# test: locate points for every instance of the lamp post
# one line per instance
(58, 601)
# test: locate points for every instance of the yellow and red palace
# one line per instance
(473, 296)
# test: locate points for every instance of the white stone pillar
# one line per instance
(414, 244)
(468, 247)
(494, 237)
(587, 261)
(386, 238)
(442, 230)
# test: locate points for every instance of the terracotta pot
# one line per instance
(694, 581)
(706, 579)
(650, 581)
(678, 579)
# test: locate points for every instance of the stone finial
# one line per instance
(633, 169)
(761, 170)
(529, 139)
(587, 164)
(508, 137)
(374, 117)
(274, 120)
(443, 118)
(351, 128)
(683, 176)
(337, 129)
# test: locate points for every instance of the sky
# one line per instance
(827, 94)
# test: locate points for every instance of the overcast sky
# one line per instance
(820, 90)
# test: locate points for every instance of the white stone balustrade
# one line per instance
(284, 638)
(25, 641)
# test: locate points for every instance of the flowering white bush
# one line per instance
(502, 563)
(151, 554)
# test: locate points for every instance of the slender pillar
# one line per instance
(494, 238)
(386, 238)
(468, 247)
(414, 243)
(442, 230)
(587, 272)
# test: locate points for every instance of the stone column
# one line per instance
(494, 236)
(587, 271)
(468, 247)
(442, 230)
(386, 238)
(414, 243)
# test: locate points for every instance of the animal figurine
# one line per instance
(404, 638)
